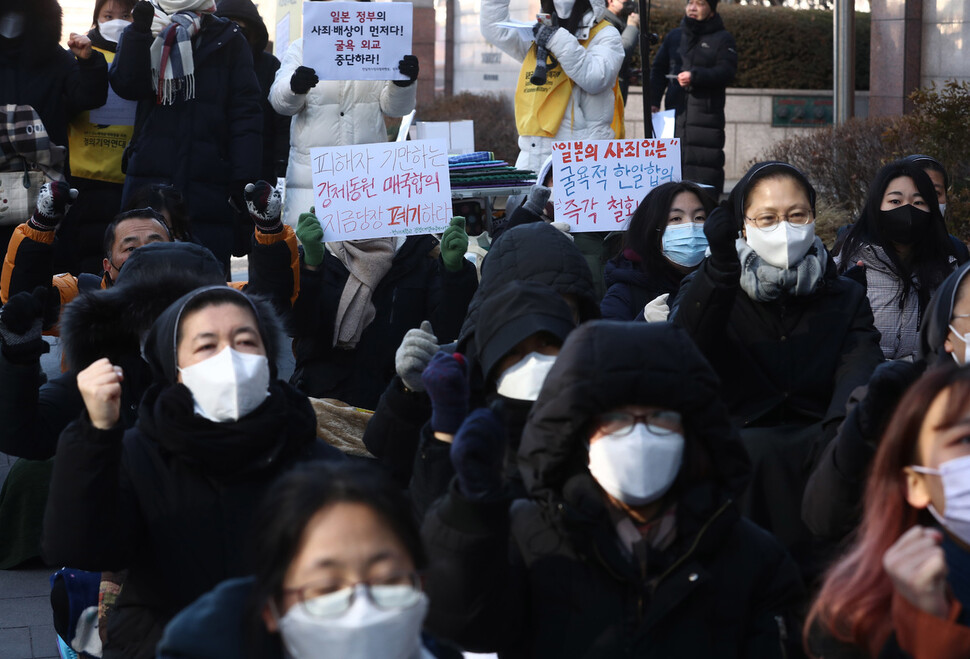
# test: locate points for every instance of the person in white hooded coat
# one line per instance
(331, 113)
(592, 70)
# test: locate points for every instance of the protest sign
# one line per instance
(380, 190)
(599, 183)
(356, 40)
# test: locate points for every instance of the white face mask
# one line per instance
(955, 475)
(364, 631)
(563, 7)
(965, 338)
(111, 30)
(228, 385)
(11, 25)
(942, 209)
(637, 468)
(523, 380)
(782, 247)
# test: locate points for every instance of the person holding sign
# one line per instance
(332, 113)
(580, 99)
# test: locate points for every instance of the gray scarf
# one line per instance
(765, 283)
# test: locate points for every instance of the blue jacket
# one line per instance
(204, 145)
(629, 288)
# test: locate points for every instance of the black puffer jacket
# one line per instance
(708, 51)
(629, 287)
(418, 287)
(276, 127)
(36, 71)
(206, 147)
(548, 577)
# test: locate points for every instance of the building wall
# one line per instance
(946, 41)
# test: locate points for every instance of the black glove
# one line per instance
(304, 78)
(408, 66)
(53, 200)
(21, 318)
(887, 385)
(264, 205)
(721, 230)
(543, 33)
(477, 454)
(142, 16)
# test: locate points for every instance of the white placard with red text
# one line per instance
(599, 183)
(380, 190)
(356, 40)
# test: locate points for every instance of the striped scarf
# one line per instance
(173, 70)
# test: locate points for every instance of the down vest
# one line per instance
(592, 69)
(708, 51)
(333, 113)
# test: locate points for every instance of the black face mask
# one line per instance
(904, 224)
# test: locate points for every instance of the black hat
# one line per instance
(515, 312)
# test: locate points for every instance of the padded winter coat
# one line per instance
(711, 56)
(547, 575)
(333, 113)
(592, 69)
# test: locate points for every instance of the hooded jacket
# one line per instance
(548, 576)
(708, 51)
(36, 71)
(936, 322)
(132, 499)
(593, 70)
(629, 288)
(206, 146)
(332, 113)
(276, 127)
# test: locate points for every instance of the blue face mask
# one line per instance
(685, 244)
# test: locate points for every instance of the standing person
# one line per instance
(35, 71)
(199, 124)
(902, 589)
(622, 14)
(662, 244)
(171, 499)
(96, 151)
(332, 113)
(628, 542)
(580, 100)
(695, 64)
(338, 577)
(904, 252)
(789, 338)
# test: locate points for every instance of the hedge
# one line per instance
(778, 47)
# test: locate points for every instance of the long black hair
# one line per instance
(930, 256)
(290, 504)
(644, 234)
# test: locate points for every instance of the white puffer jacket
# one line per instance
(593, 71)
(333, 113)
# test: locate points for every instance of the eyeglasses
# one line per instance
(770, 221)
(662, 422)
(326, 600)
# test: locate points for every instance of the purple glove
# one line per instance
(446, 381)
(478, 453)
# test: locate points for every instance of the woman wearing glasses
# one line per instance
(902, 251)
(663, 242)
(337, 576)
(788, 337)
(627, 542)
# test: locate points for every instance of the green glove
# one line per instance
(310, 233)
(454, 244)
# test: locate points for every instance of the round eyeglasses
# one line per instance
(661, 422)
(326, 600)
(771, 221)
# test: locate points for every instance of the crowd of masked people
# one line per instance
(753, 444)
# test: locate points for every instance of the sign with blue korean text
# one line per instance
(597, 184)
(381, 190)
(356, 40)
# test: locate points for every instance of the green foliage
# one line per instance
(778, 47)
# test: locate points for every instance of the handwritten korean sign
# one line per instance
(381, 190)
(599, 183)
(356, 40)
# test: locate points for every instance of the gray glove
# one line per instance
(414, 354)
(538, 197)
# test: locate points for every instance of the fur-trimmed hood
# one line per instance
(111, 323)
(42, 28)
